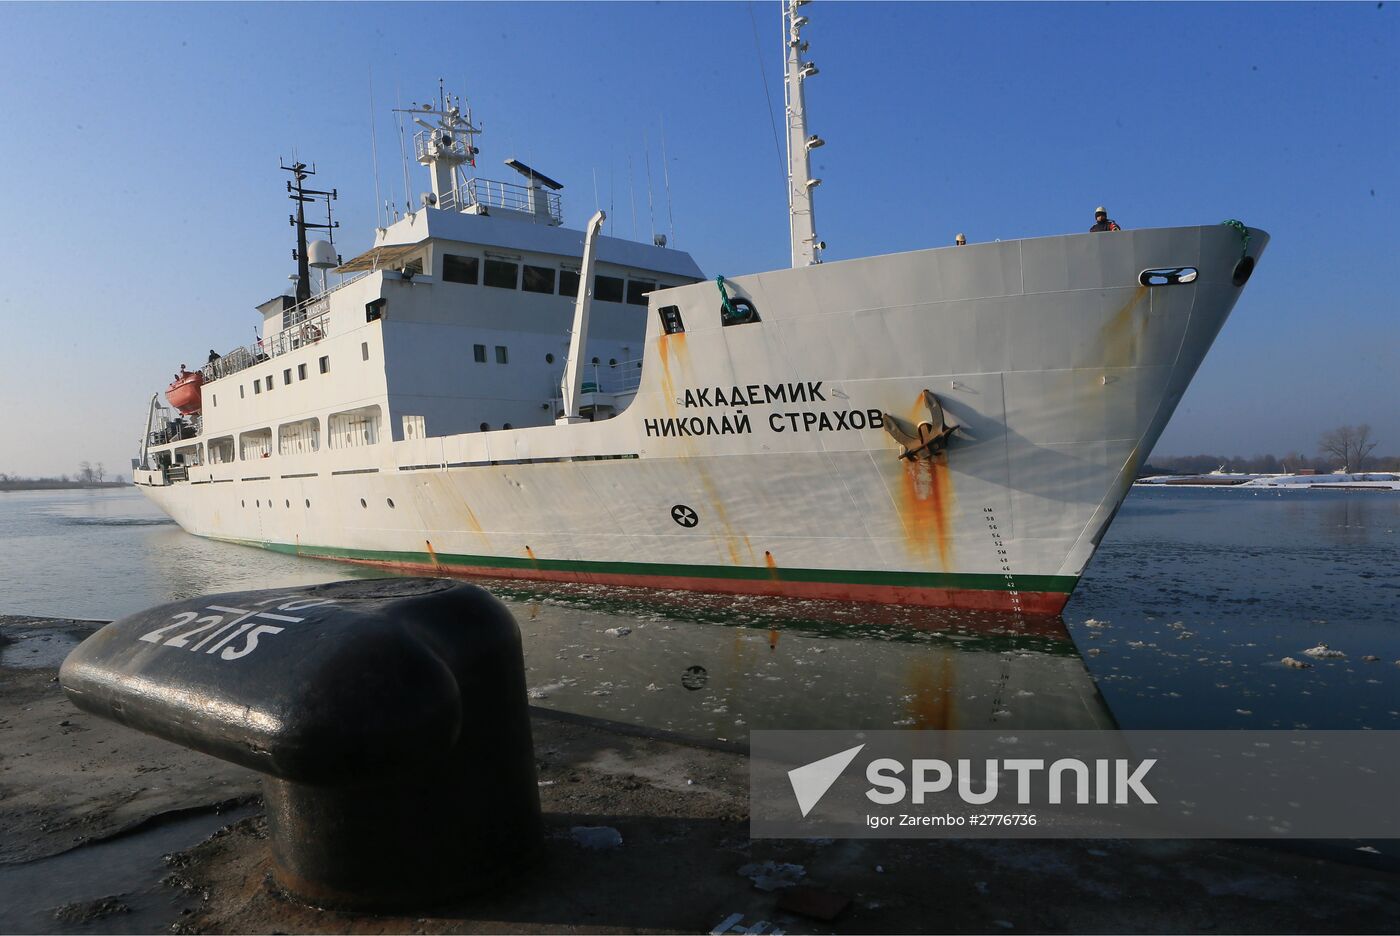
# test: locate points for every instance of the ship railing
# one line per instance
(615, 379)
(492, 194)
(307, 323)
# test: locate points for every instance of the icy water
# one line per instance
(1181, 622)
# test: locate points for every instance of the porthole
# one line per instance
(507, 426)
(390, 502)
(308, 504)
(257, 504)
(363, 504)
(595, 362)
(612, 362)
(549, 359)
(289, 505)
(242, 503)
(485, 427)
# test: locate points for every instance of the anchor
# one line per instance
(929, 437)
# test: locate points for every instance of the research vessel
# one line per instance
(488, 391)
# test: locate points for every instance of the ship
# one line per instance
(485, 391)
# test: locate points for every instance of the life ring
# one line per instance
(311, 333)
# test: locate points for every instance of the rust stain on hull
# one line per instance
(669, 345)
(772, 565)
(1118, 340)
(927, 508)
(432, 554)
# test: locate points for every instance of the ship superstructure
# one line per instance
(953, 426)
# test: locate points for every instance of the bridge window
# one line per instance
(257, 386)
(326, 365)
(301, 372)
(502, 274)
(637, 291)
(364, 350)
(457, 269)
(221, 450)
(286, 377)
(538, 280)
(568, 283)
(479, 353)
(608, 288)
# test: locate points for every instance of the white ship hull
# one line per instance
(1058, 367)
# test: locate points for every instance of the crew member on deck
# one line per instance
(213, 355)
(1102, 222)
(960, 240)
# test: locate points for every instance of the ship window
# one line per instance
(286, 377)
(595, 362)
(607, 288)
(301, 372)
(353, 428)
(414, 266)
(221, 450)
(502, 274)
(485, 427)
(299, 438)
(457, 269)
(549, 359)
(502, 355)
(568, 282)
(479, 353)
(637, 291)
(671, 319)
(257, 386)
(255, 444)
(612, 362)
(270, 382)
(538, 280)
(362, 503)
(326, 365)
(507, 426)
(374, 311)
(215, 398)
(390, 502)
(364, 350)
(240, 391)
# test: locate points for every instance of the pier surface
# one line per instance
(104, 830)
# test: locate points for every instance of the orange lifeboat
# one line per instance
(183, 393)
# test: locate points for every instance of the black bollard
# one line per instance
(388, 716)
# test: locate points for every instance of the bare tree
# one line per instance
(1349, 444)
(85, 472)
(99, 472)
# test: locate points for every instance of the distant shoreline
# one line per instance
(50, 485)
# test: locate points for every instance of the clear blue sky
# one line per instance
(145, 214)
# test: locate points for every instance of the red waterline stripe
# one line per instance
(963, 599)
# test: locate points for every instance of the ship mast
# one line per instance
(301, 195)
(444, 145)
(806, 249)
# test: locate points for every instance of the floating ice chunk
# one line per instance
(596, 838)
(771, 875)
(1322, 651)
(1090, 622)
(618, 631)
(1296, 664)
(1370, 658)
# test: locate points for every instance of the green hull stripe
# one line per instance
(970, 581)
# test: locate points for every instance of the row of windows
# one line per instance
(349, 429)
(502, 354)
(258, 504)
(269, 382)
(508, 274)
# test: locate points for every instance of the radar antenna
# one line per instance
(444, 143)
